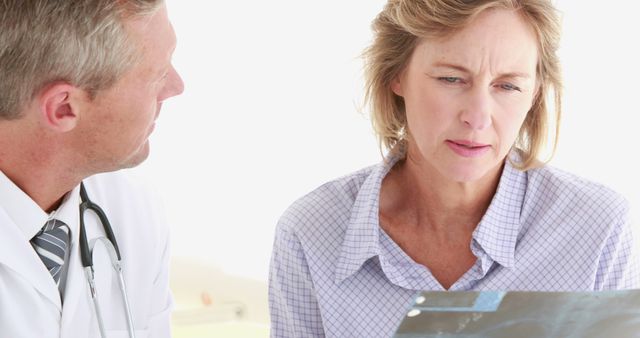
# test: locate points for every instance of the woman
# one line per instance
(458, 91)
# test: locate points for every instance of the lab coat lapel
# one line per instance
(20, 257)
(78, 313)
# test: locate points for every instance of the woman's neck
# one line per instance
(415, 193)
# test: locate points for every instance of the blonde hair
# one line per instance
(82, 42)
(397, 31)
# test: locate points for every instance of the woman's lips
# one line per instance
(468, 148)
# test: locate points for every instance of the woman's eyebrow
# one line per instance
(465, 70)
(452, 66)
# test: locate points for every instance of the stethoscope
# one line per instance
(86, 255)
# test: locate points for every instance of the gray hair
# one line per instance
(81, 42)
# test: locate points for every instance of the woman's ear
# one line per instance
(396, 85)
(59, 109)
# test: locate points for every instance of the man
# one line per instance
(81, 85)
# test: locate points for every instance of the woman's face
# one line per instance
(467, 95)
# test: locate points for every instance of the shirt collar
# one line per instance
(496, 233)
(27, 215)
(69, 211)
(23, 211)
(362, 238)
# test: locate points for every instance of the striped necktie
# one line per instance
(51, 244)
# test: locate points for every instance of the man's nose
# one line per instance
(176, 83)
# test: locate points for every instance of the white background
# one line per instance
(272, 109)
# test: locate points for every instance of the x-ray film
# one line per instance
(614, 314)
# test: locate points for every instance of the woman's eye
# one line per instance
(450, 79)
(509, 87)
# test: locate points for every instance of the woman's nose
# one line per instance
(476, 112)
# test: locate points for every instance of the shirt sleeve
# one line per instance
(292, 300)
(618, 267)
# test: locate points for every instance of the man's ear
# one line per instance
(59, 106)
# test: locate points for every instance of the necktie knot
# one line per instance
(52, 246)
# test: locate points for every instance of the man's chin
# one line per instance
(137, 158)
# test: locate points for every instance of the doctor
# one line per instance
(81, 85)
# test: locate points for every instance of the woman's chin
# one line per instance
(465, 173)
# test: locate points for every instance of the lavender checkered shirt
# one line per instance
(336, 273)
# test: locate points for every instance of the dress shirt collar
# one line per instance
(496, 233)
(69, 211)
(362, 238)
(27, 214)
(498, 230)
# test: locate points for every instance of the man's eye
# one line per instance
(510, 87)
(450, 79)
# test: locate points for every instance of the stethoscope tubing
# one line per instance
(86, 204)
(86, 256)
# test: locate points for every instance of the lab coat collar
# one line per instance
(21, 217)
(76, 288)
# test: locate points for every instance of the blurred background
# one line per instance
(273, 108)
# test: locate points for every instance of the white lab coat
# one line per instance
(30, 304)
